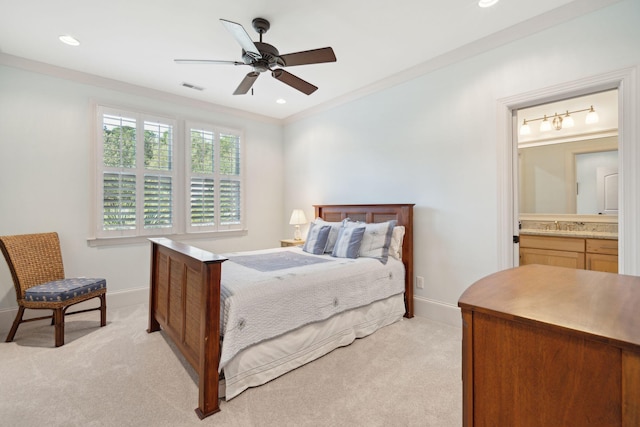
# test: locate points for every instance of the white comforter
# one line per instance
(261, 305)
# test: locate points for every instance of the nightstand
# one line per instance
(291, 242)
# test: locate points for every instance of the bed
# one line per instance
(188, 289)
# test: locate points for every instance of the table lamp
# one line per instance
(297, 218)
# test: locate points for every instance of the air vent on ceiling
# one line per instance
(190, 86)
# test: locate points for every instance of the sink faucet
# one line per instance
(557, 227)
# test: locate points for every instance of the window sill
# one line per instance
(133, 240)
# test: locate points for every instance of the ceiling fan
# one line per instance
(265, 57)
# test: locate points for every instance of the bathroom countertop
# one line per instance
(585, 234)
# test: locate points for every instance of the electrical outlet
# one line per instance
(419, 282)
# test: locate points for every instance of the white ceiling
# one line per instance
(135, 41)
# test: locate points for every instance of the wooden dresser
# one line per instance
(551, 346)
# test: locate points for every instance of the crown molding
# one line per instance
(103, 82)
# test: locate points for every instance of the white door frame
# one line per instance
(625, 81)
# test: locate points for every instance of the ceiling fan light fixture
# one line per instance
(69, 40)
(487, 3)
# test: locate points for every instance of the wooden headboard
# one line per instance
(402, 213)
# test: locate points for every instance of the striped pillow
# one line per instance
(348, 243)
(376, 240)
(316, 239)
(333, 235)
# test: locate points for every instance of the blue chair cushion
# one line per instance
(62, 290)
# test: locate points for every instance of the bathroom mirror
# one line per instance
(578, 177)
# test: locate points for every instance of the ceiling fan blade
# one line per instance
(246, 83)
(314, 56)
(240, 34)
(294, 81)
(206, 61)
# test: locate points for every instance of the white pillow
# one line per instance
(376, 239)
(395, 248)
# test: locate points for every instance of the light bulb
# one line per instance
(525, 129)
(70, 40)
(487, 3)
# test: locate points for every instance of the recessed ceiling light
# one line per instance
(281, 101)
(487, 3)
(71, 41)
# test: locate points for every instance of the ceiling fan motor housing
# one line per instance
(270, 57)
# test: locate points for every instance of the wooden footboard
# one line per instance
(185, 301)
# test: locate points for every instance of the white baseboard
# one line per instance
(438, 311)
(115, 299)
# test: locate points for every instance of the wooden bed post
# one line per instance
(209, 342)
(184, 300)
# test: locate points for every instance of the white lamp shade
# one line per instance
(568, 121)
(297, 217)
(592, 117)
(545, 125)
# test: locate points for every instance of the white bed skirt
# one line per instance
(265, 361)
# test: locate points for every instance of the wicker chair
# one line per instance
(35, 261)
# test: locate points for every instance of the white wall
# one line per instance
(432, 141)
(45, 149)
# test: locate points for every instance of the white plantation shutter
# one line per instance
(215, 179)
(230, 181)
(202, 202)
(136, 174)
(158, 201)
(119, 201)
(152, 181)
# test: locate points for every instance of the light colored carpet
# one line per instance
(407, 374)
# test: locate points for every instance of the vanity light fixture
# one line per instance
(70, 40)
(559, 121)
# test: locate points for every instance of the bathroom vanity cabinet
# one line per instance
(571, 252)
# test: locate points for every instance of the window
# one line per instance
(214, 181)
(139, 176)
